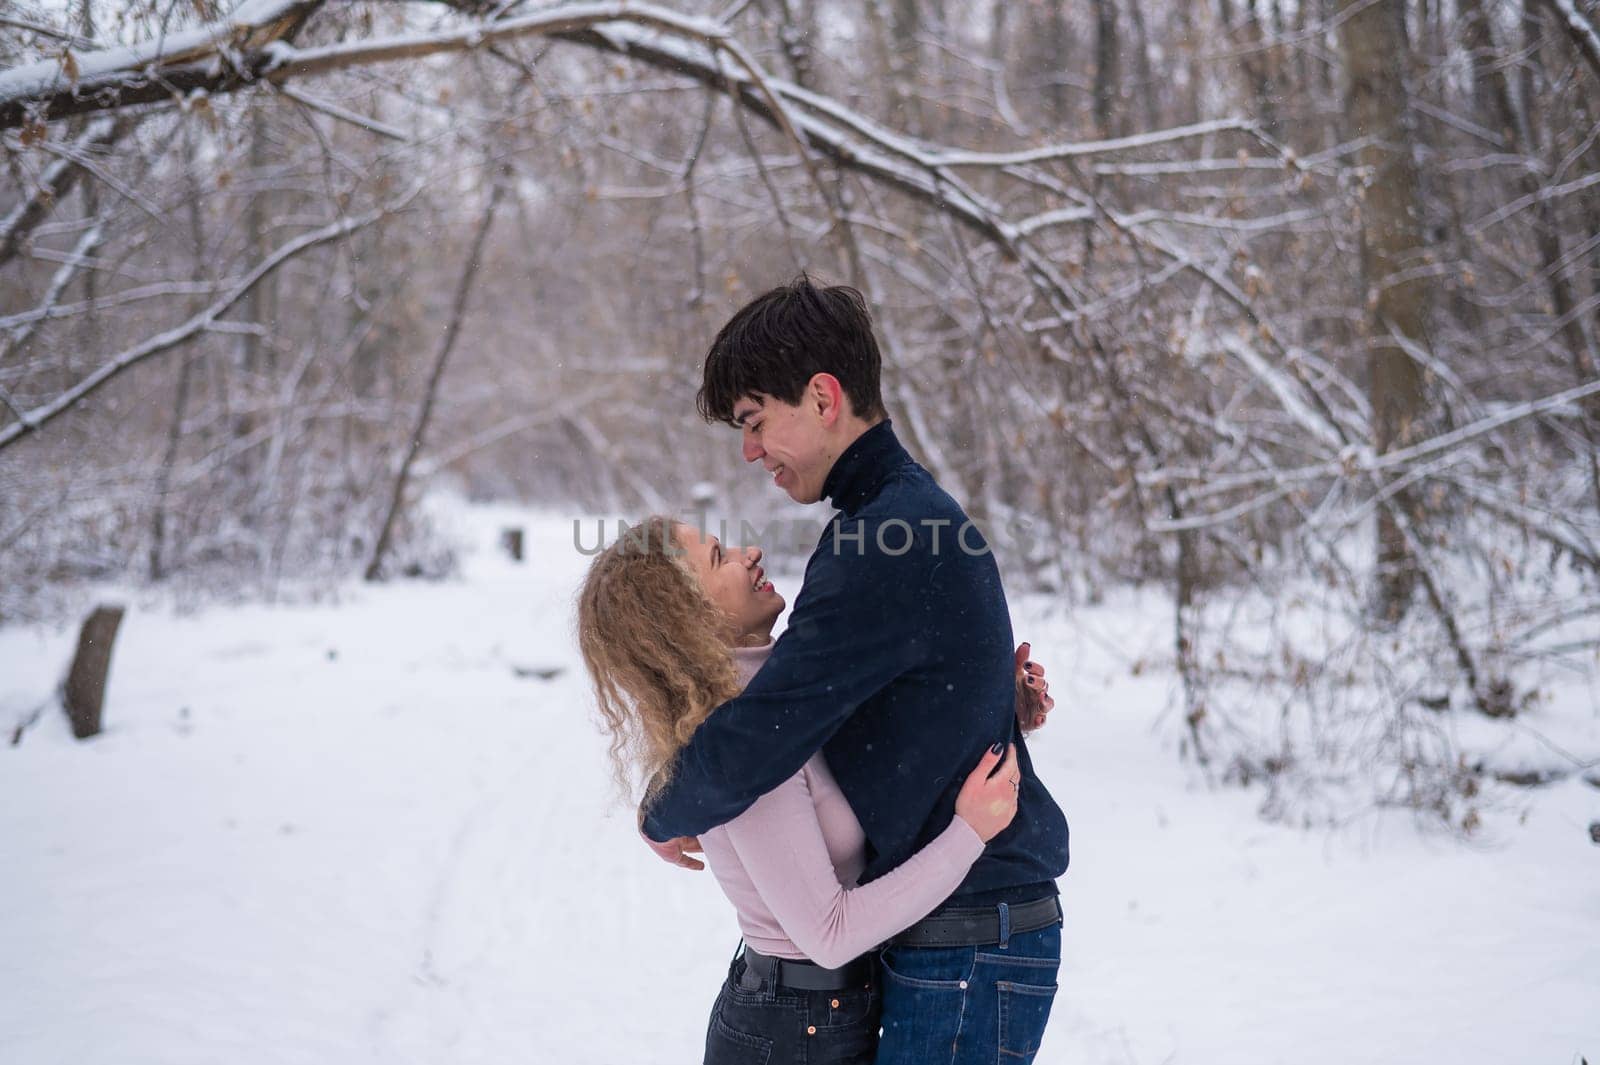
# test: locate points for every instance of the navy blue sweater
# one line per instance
(897, 663)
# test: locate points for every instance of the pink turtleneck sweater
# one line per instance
(789, 865)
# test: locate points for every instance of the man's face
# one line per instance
(788, 441)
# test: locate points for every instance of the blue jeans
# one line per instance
(770, 1025)
(969, 1005)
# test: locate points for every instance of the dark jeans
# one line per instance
(966, 1005)
(771, 1025)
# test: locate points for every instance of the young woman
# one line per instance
(671, 625)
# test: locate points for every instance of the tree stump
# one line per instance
(511, 540)
(85, 692)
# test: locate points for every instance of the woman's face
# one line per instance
(733, 579)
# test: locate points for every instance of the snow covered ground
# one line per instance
(353, 833)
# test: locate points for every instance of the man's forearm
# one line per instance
(713, 782)
(851, 633)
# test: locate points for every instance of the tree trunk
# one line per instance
(1058, 60)
(511, 540)
(1105, 65)
(1372, 40)
(257, 309)
(85, 690)
(1191, 44)
(1258, 66)
(180, 403)
(905, 54)
(1141, 65)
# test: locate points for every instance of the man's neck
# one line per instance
(848, 434)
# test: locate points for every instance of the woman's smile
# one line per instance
(733, 579)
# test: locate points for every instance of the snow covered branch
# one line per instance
(55, 182)
(1360, 459)
(33, 420)
(1585, 37)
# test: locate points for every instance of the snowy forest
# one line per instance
(1268, 328)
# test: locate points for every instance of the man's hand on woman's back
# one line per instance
(673, 851)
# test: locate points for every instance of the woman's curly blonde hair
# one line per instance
(655, 646)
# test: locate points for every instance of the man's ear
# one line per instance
(826, 397)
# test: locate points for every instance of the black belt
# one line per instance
(978, 926)
(807, 975)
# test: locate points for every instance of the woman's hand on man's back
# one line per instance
(1033, 691)
(988, 800)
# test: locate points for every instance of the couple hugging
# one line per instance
(859, 786)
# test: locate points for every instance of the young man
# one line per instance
(897, 663)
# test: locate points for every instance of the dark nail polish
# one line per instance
(999, 746)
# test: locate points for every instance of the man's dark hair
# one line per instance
(781, 339)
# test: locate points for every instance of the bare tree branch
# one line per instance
(447, 343)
